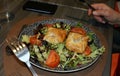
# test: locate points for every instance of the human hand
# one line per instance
(112, 16)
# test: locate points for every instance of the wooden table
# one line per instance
(101, 68)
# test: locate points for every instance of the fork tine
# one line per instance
(9, 44)
(21, 45)
(15, 44)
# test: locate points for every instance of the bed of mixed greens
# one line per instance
(57, 55)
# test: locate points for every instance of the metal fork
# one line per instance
(21, 52)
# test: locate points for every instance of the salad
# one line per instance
(56, 54)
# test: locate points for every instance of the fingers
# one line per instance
(100, 13)
(96, 12)
(99, 19)
(97, 15)
(100, 6)
(96, 6)
(101, 9)
(103, 12)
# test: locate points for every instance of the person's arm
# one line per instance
(112, 16)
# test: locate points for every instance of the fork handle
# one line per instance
(31, 69)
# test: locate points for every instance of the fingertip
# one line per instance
(95, 13)
(89, 11)
(103, 22)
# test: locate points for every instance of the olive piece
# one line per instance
(90, 42)
(44, 42)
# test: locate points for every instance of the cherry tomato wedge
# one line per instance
(48, 25)
(34, 40)
(87, 50)
(53, 59)
(78, 30)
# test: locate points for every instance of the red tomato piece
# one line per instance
(34, 40)
(53, 59)
(78, 30)
(48, 25)
(87, 50)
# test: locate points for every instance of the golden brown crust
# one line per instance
(55, 35)
(76, 42)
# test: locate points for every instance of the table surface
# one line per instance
(22, 17)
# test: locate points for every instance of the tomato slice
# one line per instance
(87, 50)
(78, 30)
(34, 40)
(48, 25)
(53, 59)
